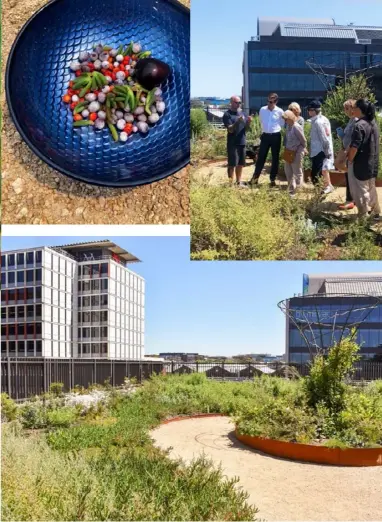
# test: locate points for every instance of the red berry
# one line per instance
(73, 105)
(126, 60)
(116, 69)
(93, 116)
(113, 76)
(78, 73)
(122, 68)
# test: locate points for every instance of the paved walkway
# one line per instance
(281, 489)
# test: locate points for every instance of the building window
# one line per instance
(20, 312)
(30, 293)
(38, 310)
(38, 275)
(104, 268)
(86, 270)
(20, 259)
(30, 311)
(12, 347)
(104, 284)
(38, 256)
(3, 278)
(20, 329)
(95, 285)
(12, 312)
(3, 330)
(86, 301)
(30, 347)
(3, 296)
(11, 260)
(30, 276)
(12, 295)
(95, 270)
(38, 347)
(3, 313)
(95, 300)
(38, 292)
(11, 278)
(104, 348)
(30, 257)
(20, 292)
(3, 262)
(3, 347)
(11, 329)
(30, 329)
(104, 299)
(38, 328)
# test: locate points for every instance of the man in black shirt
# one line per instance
(363, 158)
(237, 123)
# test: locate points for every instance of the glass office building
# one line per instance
(344, 300)
(76, 300)
(276, 59)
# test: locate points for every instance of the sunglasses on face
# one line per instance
(271, 101)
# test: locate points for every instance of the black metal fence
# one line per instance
(26, 377)
(364, 370)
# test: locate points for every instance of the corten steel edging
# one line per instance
(354, 457)
(47, 160)
(195, 416)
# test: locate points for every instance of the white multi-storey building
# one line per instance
(76, 300)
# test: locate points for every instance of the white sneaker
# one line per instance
(328, 189)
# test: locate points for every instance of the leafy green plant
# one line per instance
(62, 417)
(325, 383)
(360, 244)
(199, 122)
(56, 388)
(9, 410)
(356, 87)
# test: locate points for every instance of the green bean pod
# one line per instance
(83, 123)
(113, 131)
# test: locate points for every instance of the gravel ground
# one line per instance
(34, 193)
(281, 489)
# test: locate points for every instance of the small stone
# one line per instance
(79, 211)
(65, 212)
(102, 201)
(17, 185)
(23, 212)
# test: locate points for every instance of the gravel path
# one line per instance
(34, 193)
(281, 489)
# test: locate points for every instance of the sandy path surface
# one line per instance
(281, 489)
(34, 193)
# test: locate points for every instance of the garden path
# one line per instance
(281, 489)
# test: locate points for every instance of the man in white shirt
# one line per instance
(271, 124)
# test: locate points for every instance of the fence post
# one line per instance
(9, 376)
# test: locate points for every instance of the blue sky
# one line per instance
(220, 27)
(215, 308)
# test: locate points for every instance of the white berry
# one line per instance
(121, 124)
(123, 136)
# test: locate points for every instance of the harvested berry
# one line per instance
(117, 88)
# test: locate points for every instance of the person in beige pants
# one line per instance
(294, 141)
(363, 160)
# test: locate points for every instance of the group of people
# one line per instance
(359, 155)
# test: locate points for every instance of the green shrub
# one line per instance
(56, 388)
(360, 244)
(33, 415)
(325, 383)
(62, 417)
(9, 410)
(199, 122)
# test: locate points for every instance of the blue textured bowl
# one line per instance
(38, 74)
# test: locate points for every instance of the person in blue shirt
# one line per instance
(237, 123)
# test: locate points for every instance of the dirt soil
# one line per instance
(279, 488)
(34, 193)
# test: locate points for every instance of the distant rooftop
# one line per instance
(266, 25)
(104, 243)
(351, 283)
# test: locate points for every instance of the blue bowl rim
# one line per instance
(127, 183)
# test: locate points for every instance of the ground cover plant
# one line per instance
(104, 454)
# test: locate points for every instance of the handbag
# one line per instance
(289, 155)
(340, 161)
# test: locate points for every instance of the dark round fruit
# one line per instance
(151, 72)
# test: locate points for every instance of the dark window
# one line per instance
(30, 276)
(11, 312)
(38, 256)
(95, 332)
(30, 293)
(3, 295)
(11, 260)
(12, 346)
(30, 329)
(79, 316)
(38, 347)
(95, 317)
(79, 301)
(3, 329)
(79, 286)
(95, 349)
(86, 269)
(20, 292)
(20, 348)
(38, 274)
(104, 331)
(3, 346)
(3, 261)
(11, 295)
(38, 292)
(104, 284)
(104, 316)
(20, 259)
(104, 299)
(86, 301)
(38, 310)
(11, 278)
(30, 311)
(95, 270)
(104, 348)
(38, 328)
(20, 312)
(104, 268)
(11, 329)
(95, 300)
(79, 333)
(30, 347)
(3, 278)
(20, 329)
(86, 348)
(86, 286)
(95, 285)
(3, 312)
(20, 277)
(30, 258)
